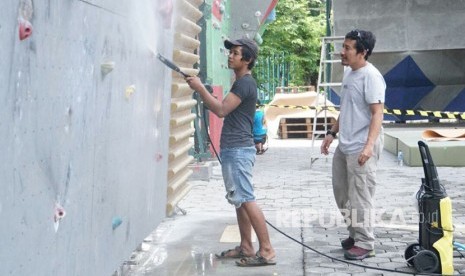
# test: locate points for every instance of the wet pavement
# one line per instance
(296, 197)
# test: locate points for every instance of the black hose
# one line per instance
(319, 252)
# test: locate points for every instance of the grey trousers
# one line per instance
(354, 188)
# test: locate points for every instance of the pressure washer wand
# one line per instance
(171, 65)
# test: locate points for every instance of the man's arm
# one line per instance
(329, 138)
(221, 109)
(373, 132)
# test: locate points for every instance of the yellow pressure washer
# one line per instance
(434, 251)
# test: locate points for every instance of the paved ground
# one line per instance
(296, 198)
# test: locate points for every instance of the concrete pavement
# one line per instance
(297, 198)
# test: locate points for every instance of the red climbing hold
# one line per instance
(25, 29)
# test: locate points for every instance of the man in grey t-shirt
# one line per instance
(360, 143)
(238, 152)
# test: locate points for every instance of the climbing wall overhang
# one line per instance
(247, 22)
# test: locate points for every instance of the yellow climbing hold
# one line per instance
(129, 91)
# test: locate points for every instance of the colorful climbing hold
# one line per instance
(106, 67)
(25, 29)
(115, 222)
(129, 91)
(25, 12)
(59, 214)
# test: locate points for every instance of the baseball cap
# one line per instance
(249, 43)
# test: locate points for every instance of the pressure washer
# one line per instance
(434, 251)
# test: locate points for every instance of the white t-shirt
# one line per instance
(360, 88)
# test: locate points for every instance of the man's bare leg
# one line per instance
(257, 220)
(245, 229)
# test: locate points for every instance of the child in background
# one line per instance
(259, 129)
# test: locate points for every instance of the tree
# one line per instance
(297, 31)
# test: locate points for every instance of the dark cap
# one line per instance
(250, 44)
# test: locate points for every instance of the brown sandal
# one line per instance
(226, 254)
(258, 260)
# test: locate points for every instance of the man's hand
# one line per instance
(365, 155)
(326, 143)
(195, 83)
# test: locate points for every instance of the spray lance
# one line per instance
(171, 65)
(174, 67)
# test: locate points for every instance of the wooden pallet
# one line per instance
(295, 128)
(320, 125)
(301, 127)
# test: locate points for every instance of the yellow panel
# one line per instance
(181, 148)
(182, 104)
(188, 27)
(180, 135)
(190, 11)
(171, 204)
(444, 245)
(180, 90)
(182, 41)
(178, 181)
(181, 118)
(185, 57)
(177, 165)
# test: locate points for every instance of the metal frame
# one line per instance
(323, 85)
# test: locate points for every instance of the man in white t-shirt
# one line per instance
(360, 143)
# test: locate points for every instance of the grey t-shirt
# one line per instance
(360, 88)
(238, 125)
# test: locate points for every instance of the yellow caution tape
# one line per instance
(398, 112)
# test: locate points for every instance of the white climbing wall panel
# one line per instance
(84, 130)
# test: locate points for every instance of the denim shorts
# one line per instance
(237, 165)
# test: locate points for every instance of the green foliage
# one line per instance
(297, 31)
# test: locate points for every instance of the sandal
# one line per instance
(258, 260)
(226, 254)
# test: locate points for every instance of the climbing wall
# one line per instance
(84, 132)
(419, 50)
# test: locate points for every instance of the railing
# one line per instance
(271, 72)
(294, 89)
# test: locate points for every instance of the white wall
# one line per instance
(76, 138)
